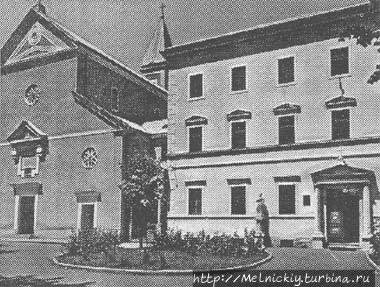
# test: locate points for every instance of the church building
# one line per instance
(282, 110)
(72, 116)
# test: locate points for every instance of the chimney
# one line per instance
(374, 6)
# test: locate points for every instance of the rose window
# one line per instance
(89, 158)
(32, 95)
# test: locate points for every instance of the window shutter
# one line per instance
(196, 86)
(238, 198)
(339, 61)
(287, 202)
(238, 130)
(238, 75)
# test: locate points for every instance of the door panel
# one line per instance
(87, 216)
(26, 215)
(342, 216)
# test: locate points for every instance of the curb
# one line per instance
(155, 272)
(40, 241)
(372, 262)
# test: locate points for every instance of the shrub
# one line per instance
(93, 241)
(218, 244)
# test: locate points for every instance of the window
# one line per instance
(287, 199)
(238, 134)
(286, 70)
(286, 134)
(340, 123)
(89, 158)
(196, 86)
(87, 216)
(306, 200)
(114, 99)
(238, 199)
(339, 61)
(195, 201)
(195, 139)
(238, 79)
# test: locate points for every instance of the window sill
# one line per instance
(340, 76)
(239, 92)
(284, 85)
(195, 99)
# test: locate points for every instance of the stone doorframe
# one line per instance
(343, 176)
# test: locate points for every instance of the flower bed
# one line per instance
(172, 251)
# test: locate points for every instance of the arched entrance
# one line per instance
(344, 208)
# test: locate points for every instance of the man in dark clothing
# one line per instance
(262, 220)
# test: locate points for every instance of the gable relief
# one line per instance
(29, 148)
(37, 42)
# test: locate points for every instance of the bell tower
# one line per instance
(154, 64)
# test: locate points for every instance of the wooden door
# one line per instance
(335, 217)
(26, 215)
(87, 216)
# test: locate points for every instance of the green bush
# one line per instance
(218, 244)
(93, 241)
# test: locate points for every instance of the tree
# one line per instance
(144, 183)
(366, 35)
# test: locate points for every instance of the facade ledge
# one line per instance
(229, 216)
(277, 148)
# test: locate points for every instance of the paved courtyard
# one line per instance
(21, 259)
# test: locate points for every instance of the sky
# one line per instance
(123, 28)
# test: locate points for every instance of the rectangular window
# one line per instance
(87, 216)
(238, 200)
(238, 79)
(287, 199)
(286, 70)
(286, 133)
(195, 139)
(306, 200)
(339, 61)
(238, 135)
(114, 99)
(196, 86)
(195, 201)
(340, 123)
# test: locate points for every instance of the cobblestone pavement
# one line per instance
(35, 259)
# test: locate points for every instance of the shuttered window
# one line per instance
(196, 86)
(286, 133)
(238, 78)
(195, 139)
(287, 199)
(286, 70)
(339, 61)
(340, 124)
(195, 201)
(238, 200)
(238, 135)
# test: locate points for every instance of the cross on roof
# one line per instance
(162, 7)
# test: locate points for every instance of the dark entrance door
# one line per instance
(26, 215)
(87, 216)
(342, 216)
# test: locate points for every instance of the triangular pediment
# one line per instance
(341, 172)
(24, 132)
(196, 120)
(341, 102)
(286, 109)
(37, 42)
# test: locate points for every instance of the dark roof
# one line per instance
(77, 43)
(268, 37)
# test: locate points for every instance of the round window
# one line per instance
(32, 95)
(89, 158)
(34, 38)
